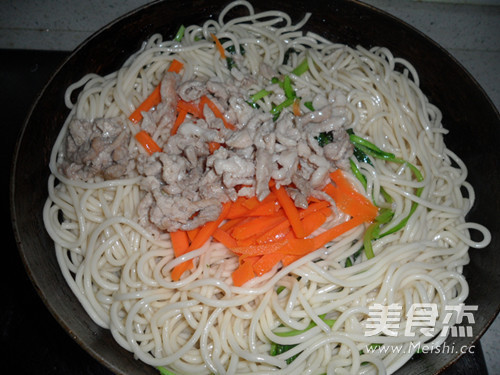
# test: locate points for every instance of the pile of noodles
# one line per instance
(202, 324)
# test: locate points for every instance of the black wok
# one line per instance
(468, 113)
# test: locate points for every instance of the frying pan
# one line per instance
(472, 119)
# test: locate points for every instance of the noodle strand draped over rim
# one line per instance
(202, 323)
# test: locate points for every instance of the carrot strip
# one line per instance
(219, 46)
(332, 233)
(225, 238)
(181, 116)
(239, 212)
(269, 206)
(155, 97)
(192, 233)
(313, 222)
(243, 274)
(259, 249)
(278, 233)
(179, 269)
(175, 66)
(251, 203)
(190, 107)
(290, 210)
(266, 263)
(180, 242)
(152, 100)
(213, 146)
(296, 107)
(231, 223)
(147, 142)
(313, 207)
(298, 246)
(289, 259)
(348, 199)
(204, 100)
(282, 229)
(245, 242)
(209, 228)
(256, 226)
(248, 259)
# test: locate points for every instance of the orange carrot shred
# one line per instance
(179, 269)
(290, 210)
(152, 100)
(238, 209)
(313, 222)
(256, 226)
(243, 274)
(332, 233)
(251, 203)
(175, 66)
(213, 146)
(181, 116)
(269, 206)
(204, 100)
(348, 199)
(259, 249)
(209, 228)
(192, 233)
(289, 259)
(219, 46)
(252, 259)
(278, 233)
(296, 107)
(266, 263)
(155, 97)
(147, 142)
(190, 107)
(180, 242)
(225, 238)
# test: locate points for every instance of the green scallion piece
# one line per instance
(287, 87)
(301, 68)
(259, 95)
(180, 33)
(164, 371)
(355, 170)
(277, 110)
(309, 105)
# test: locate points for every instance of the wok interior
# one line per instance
(466, 111)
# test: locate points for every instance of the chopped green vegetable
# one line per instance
(324, 138)
(309, 105)
(180, 33)
(357, 173)
(301, 68)
(230, 63)
(287, 87)
(278, 108)
(259, 95)
(372, 150)
(363, 149)
(164, 371)
(279, 348)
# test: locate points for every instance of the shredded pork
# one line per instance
(185, 185)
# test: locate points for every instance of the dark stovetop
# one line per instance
(33, 342)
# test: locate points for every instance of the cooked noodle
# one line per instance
(203, 324)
